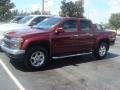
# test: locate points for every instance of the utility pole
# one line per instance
(42, 7)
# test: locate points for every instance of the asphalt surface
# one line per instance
(76, 73)
(5, 81)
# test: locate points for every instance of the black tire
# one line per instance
(28, 61)
(1, 50)
(97, 50)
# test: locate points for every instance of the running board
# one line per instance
(71, 55)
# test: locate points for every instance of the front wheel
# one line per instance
(36, 58)
(101, 51)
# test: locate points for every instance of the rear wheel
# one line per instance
(36, 58)
(101, 51)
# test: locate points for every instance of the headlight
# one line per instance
(1, 38)
(16, 43)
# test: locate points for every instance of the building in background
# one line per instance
(46, 6)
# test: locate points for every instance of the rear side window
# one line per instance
(85, 25)
(98, 27)
(70, 26)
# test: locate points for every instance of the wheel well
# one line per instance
(44, 44)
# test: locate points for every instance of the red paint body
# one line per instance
(65, 43)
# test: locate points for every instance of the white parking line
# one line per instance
(19, 85)
(118, 36)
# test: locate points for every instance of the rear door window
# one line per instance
(85, 25)
(98, 28)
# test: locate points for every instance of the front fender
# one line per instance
(31, 41)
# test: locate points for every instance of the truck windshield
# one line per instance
(48, 23)
(25, 19)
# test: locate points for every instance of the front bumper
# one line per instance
(0, 43)
(13, 53)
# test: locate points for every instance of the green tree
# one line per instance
(79, 9)
(115, 21)
(72, 9)
(18, 13)
(106, 25)
(37, 12)
(23, 13)
(14, 12)
(5, 9)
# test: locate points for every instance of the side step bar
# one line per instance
(71, 55)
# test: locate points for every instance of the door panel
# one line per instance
(86, 36)
(87, 41)
(67, 42)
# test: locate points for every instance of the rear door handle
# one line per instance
(89, 34)
(76, 35)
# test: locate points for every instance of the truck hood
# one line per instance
(25, 32)
(12, 26)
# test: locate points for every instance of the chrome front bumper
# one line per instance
(12, 51)
(0, 42)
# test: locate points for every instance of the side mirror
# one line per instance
(59, 30)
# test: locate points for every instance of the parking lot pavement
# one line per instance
(6, 82)
(76, 73)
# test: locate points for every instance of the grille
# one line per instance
(7, 42)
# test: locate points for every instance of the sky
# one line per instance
(96, 10)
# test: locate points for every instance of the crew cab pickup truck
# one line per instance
(57, 37)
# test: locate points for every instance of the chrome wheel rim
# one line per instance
(37, 59)
(102, 50)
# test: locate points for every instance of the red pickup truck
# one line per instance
(57, 37)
